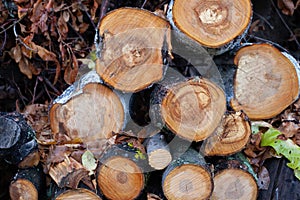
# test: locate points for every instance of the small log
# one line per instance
(217, 25)
(120, 176)
(188, 177)
(90, 115)
(135, 46)
(230, 137)
(158, 152)
(28, 184)
(233, 181)
(17, 140)
(78, 194)
(266, 81)
(191, 109)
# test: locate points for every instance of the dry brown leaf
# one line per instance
(25, 68)
(16, 53)
(286, 6)
(71, 71)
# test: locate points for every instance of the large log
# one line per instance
(135, 47)
(120, 175)
(187, 178)
(191, 108)
(17, 140)
(28, 184)
(232, 180)
(78, 194)
(90, 115)
(217, 25)
(266, 81)
(230, 137)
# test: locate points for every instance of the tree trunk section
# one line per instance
(81, 193)
(17, 140)
(28, 184)
(266, 81)
(135, 46)
(90, 115)
(233, 181)
(230, 137)
(191, 109)
(158, 152)
(187, 178)
(213, 24)
(119, 175)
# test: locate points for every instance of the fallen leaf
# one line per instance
(16, 53)
(25, 68)
(89, 162)
(287, 7)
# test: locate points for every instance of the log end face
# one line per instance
(266, 81)
(93, 114)
(230, 137)
(194, 109)
(188, 182)
(234, 184)
(23, 189)
(212, 23)
(120, 178)
(78, 194)
(159, 159)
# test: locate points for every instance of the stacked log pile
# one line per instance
(94, 154)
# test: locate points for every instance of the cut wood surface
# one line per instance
(23, 189)
(80, 194)
(91, 115)
(192, 109)
(230, 137)
(187, 178)
(134, 41)
(234, 184)
(233, 180)
(28, 184)
(266, 81)
(120, 178)
(212, 23)
(159, 155)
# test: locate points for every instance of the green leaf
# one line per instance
(287, 148)
(269, 137)
(89, 161)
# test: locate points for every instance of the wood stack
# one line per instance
(135, 50)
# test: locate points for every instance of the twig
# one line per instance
(13, 24)
(4, 42)
(265, 20)
(84, 9)
(50, 85)
(103, 10)
(285, 24)
(34, 91)
(143, 5)
(268, 41)
(21, 41)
